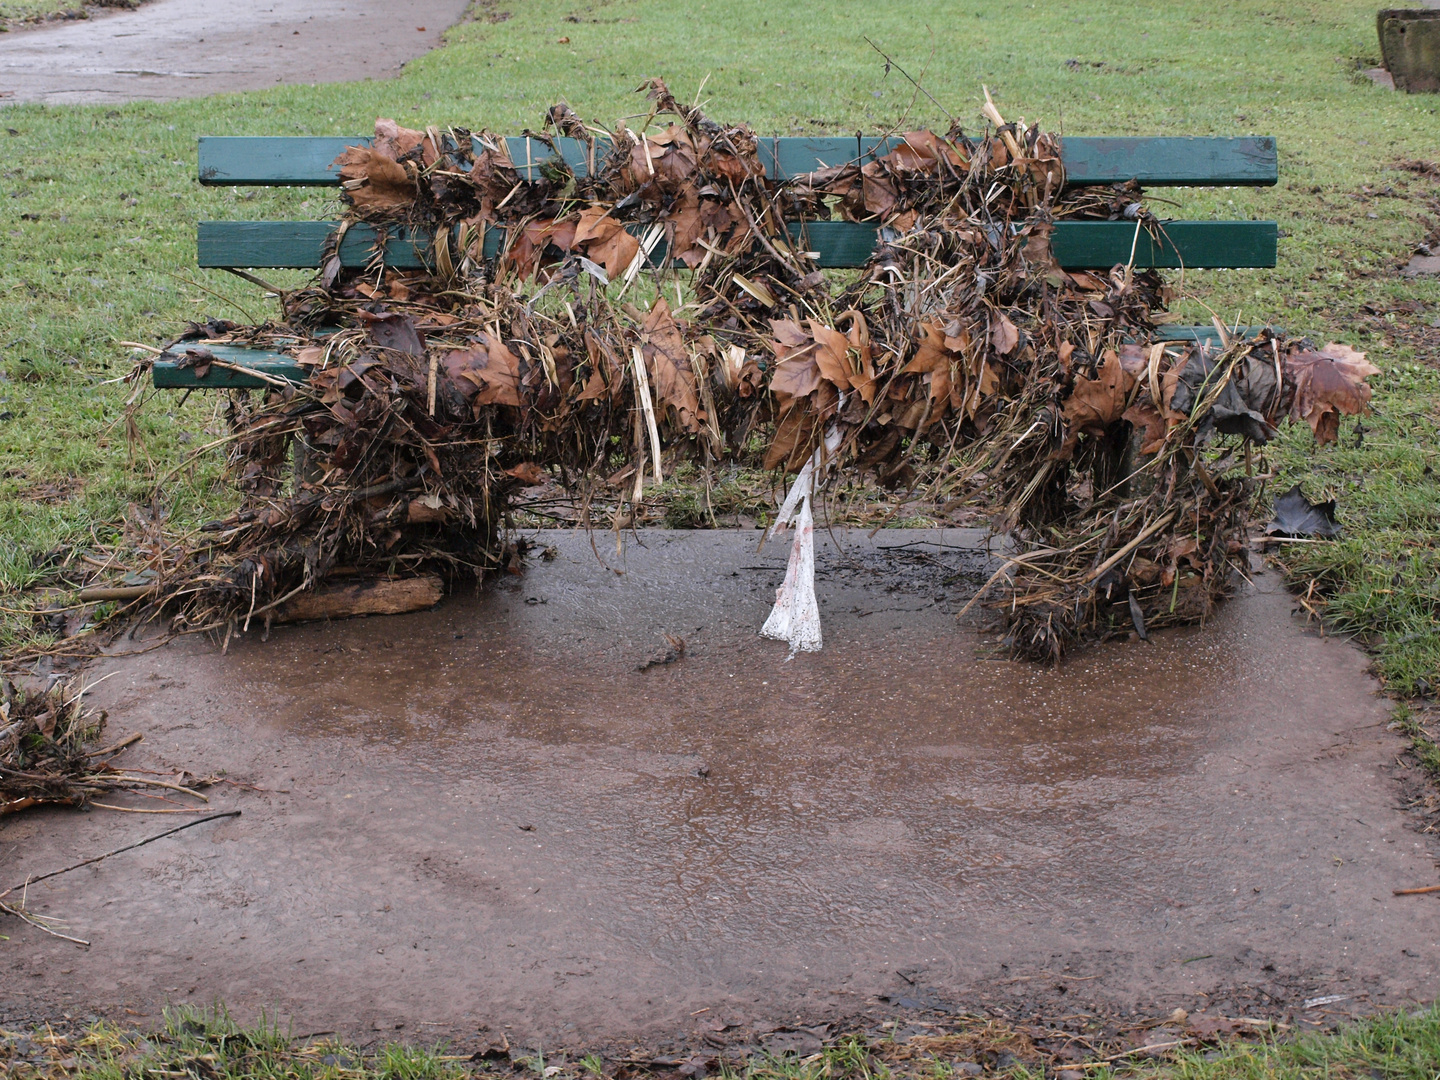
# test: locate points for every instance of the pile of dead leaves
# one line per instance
(543, 342)
(42, 748)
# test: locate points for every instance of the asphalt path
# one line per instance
(172, 49)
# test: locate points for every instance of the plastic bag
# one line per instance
(796, 615)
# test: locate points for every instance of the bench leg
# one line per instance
(305, 459)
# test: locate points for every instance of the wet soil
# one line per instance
(169, 49)
(487, 815)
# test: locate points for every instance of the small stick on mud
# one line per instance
(128, 847)
(114, 748)
(25, 917)
(139, 810)
(1416, 892)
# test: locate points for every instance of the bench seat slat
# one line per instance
(1161, 161)
(167, 375)
(1078, 245)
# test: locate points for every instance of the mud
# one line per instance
(170, 49)
(486, 815)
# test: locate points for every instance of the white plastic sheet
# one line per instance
(796, 616)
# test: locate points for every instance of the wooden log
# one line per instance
(100, 593)
(376, 597)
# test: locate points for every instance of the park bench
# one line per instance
(1078, 245)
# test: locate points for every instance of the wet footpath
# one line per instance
(531, 810)
(168, 49)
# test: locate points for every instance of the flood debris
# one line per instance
(51, 752)
(656, 307)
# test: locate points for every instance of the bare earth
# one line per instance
(486, 815)
(170, 49)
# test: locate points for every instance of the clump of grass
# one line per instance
(1422, 743)
(208, 1043)
(1390, 1046)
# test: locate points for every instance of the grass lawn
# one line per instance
(22, 11)
(98, 209)
(98, 206)
(1394, 1046)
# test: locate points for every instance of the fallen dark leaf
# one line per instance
(1297, 516)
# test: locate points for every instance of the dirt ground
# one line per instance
(169, 49)
(487, 817)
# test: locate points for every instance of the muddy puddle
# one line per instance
(512, 812)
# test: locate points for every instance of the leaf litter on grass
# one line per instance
(209, 1043)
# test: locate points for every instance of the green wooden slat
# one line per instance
(1078, 245)
(1155, 161)
(1249, 161)
(1207, 334)
(840, 243)
(1090, 245)
(167, 375)
(298, 244)
(282, 161)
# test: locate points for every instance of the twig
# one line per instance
(129, 740)
(889, 63)
(159, 784)
(25, 916)
(137, 810)
(255, 281)
(119, 850)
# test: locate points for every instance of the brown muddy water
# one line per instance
(485, 815)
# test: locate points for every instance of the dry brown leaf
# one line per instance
(1038, 255)
(394, 141)
(683, 228)
(1134, 358)
(863, 376)
(1144, 415)
(931, 353)
(832, 354)
(796, 435)
(494, 371)
(668, 363)
(877, 192)
(1327, 383)
(425, 510)
(797, 375)
(1003, 334)
(1095, 404)
(615, 252)
(374, 181)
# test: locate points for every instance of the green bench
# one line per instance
(1078, 245)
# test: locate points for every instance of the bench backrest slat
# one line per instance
(301, 161)
(1078, 245)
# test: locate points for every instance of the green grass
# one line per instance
(98, 205)
(21, 11)
(1390, 1046)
